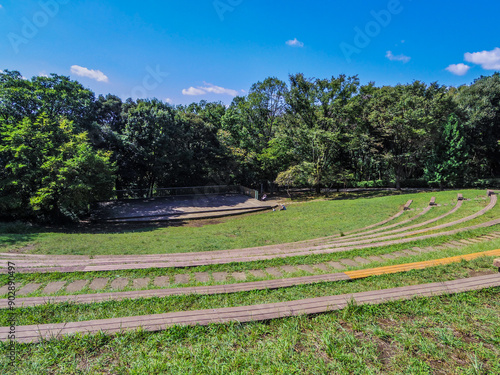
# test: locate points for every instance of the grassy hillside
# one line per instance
(302, 220)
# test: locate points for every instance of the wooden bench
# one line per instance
(433, 201)
(407, 205)
(496, 263)
(460, 197)
(490, 193)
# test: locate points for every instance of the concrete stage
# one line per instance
(176, 208)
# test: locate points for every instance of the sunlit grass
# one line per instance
(302, 221)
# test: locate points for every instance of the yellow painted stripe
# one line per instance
(418, 265)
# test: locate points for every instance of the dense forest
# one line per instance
(61, 147)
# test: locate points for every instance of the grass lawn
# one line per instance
(302, 220)
(454, 334)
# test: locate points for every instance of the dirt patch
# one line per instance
(385, 352)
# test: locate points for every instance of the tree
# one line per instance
(56, 96)
(407, 117)
(447, 164)
(479, 109)
(317, 122)
(153, 142)
(51, 172)
(209, 112)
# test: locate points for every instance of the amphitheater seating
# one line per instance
(362, 238)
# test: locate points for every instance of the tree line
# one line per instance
(61, 147)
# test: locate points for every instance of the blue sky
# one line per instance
(184, 51)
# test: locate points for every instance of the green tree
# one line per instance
(447, 164)
(479, 106)
(52, 172)
(153, 142)
(317, 124)
(56, 96)
(408, 117)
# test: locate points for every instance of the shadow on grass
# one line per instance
(347, 194)
(12, 233)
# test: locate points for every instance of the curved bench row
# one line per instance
(240, 314)
(247, 286)
(193, 262)
(110, 263)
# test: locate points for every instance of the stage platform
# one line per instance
(176, 208)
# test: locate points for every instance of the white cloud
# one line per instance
(489, 60)
(393, 57)
(458, 69)
(193, 91)
(295, 43)
(219, 90)
(169, 101)
(92, 74)
(208, 88)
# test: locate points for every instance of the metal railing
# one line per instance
(179, 191)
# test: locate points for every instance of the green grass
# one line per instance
(303, 220)
(457, 334)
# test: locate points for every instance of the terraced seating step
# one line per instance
(240, 314)
(255, 285)
(116, 263)
(204, 277)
